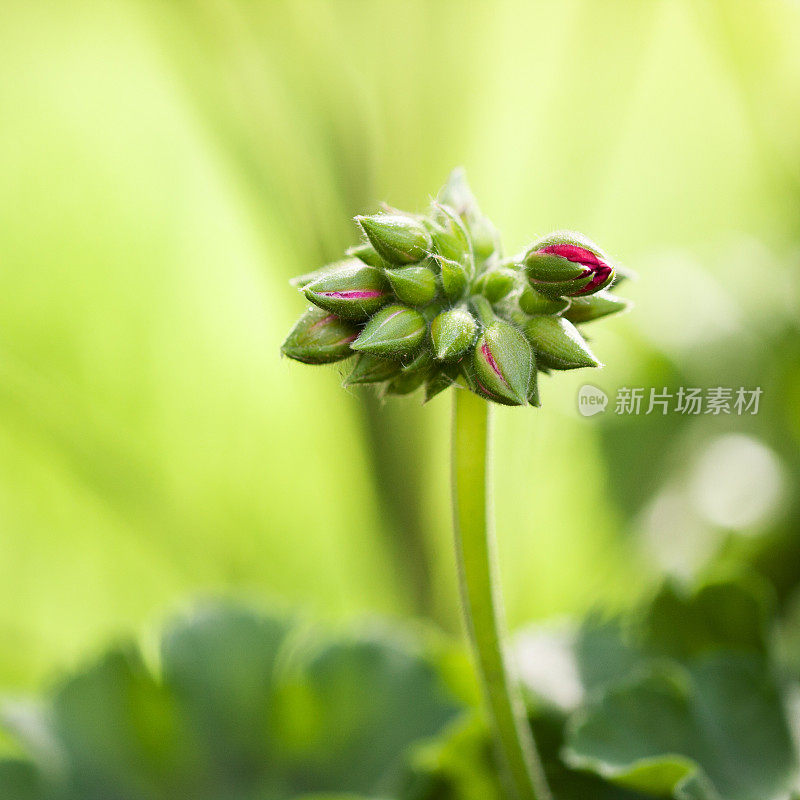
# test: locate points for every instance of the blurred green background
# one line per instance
(166, 166)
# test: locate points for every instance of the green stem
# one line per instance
(480, 594)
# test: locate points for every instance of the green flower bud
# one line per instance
(457, 194)
(544, 267)
(394, 331)
(319, 337)
(454, 277)
(372, 369)
(354, 291)
(414, 286)
(485, 237)
(495, 284)
(503, 364)
(558, 344)
(397, 238)
(594, 306)
(450, 236)
(567, 263)
(434, 309)
(366, 253)
(533, 302)
(453, 333)
(301, 281)
(533, 389)
(482, 309)
(559, 289)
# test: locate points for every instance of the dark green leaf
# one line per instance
(243, 713)
(365, 702)
(719, 616)
(604, 652)
(714, 730)
(219, 665)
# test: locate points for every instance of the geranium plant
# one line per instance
(431, 299)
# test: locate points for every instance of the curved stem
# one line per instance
(480, 594)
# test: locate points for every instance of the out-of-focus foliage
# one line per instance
(625, 709)
(700, 712)
(244, 706)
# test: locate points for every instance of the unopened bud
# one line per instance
(457, 194)
(595, 306)
(301, 281)
(414, 286)
(454, 277)
(354, 291)
(482, 309)
(533, 302)
(485, 237)
(397, 238)
(533, 389)
(495, 284)
(567, 263)
(372, 369)
(394, 331)
(452, 333)
(503, 364)
(450, 236)
(319, 337)
(558, 344)
(366, 253)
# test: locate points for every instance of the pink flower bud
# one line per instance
(593, 265)
(567, 264)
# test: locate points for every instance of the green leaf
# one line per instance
(679, 699)
(119, 732)
(366, 701)
(719, 616)
(676, 624)
(219, 665)
(242, 712)
(565, 782)
(714, 730)
(604, 653)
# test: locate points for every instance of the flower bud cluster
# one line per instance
(429, 300)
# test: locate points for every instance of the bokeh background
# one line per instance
(167, 165)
